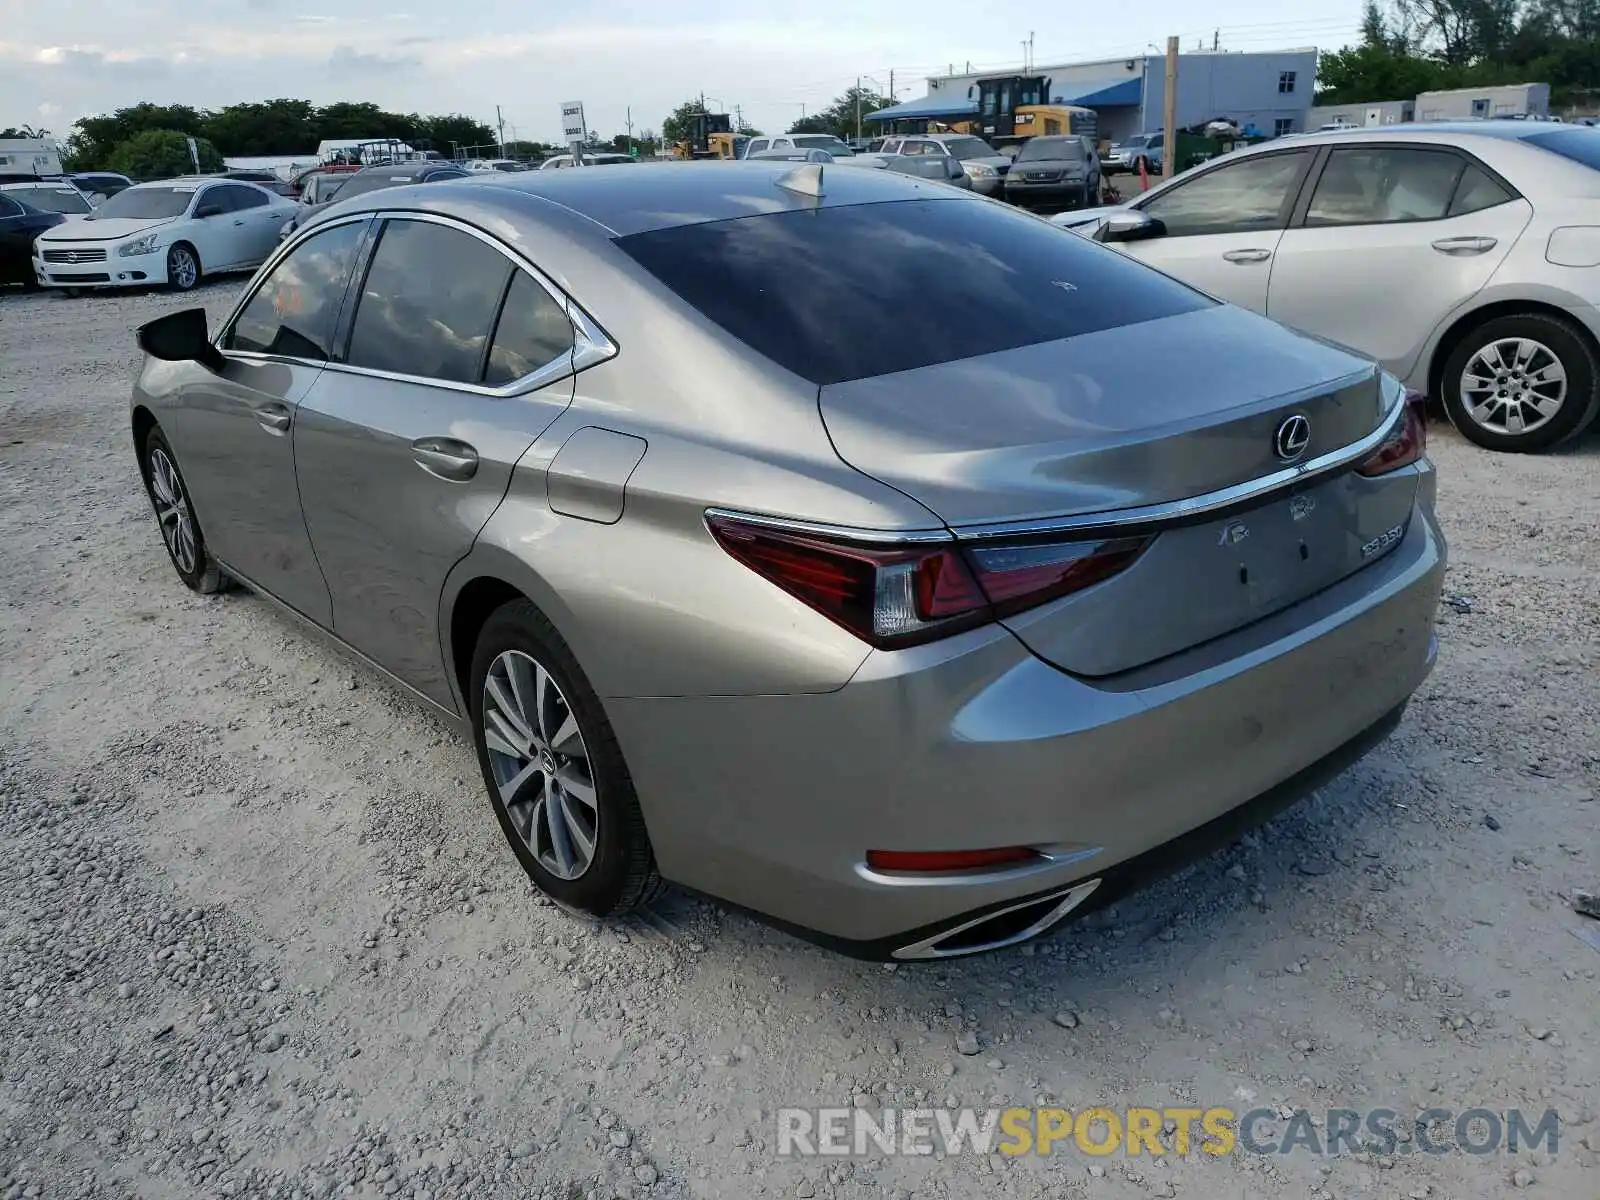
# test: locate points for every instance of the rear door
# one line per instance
(457, 359)
(1392, 239)
(1224, 225)
(256, 221)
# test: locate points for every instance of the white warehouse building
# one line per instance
(1271, 90)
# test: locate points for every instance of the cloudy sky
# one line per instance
(62, 59)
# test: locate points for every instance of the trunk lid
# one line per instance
(1140, 415)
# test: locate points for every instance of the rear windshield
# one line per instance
(384, 177)
(1580, 145)
(61, 200)
(818, 141)
(850, 292)
(1037, 148)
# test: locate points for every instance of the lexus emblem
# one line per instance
(1292, 438)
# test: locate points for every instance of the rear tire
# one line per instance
(554, 772)
(1521, 383)
(175, 517)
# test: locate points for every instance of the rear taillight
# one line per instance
(904, 594)
(1406, 444)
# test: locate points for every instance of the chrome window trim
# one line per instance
(848, 533)
(1209, 502)
(590, 342)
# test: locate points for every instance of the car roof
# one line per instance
(1510, 131)
(640, 197)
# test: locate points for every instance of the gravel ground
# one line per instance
(259, 934)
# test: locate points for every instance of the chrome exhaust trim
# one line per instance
(1056, 906)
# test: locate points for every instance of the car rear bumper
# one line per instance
(771, 803)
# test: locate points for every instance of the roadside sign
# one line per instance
(574, 129)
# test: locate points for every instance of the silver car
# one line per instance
(835, 543)
(1453, 254)
(985, 166)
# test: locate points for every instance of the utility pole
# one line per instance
(630, 129)
(891, 85)
(738, 117)
(1169, 137)
(858, 108)
(1216, 39)
(500, 123)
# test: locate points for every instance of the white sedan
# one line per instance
(1465, 258)
(52, 195)
(173, 233)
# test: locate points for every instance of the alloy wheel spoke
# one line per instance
(514, 725)
(545, 692)
(566, 740)
(576, 786)
(557, 823)
(512, 790)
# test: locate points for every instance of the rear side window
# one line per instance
(855, 291)
(294, 311)
(1477, 191)
(1371, 185)
(240, 198)
(533, 331)
(428, 303)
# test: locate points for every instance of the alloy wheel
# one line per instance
(540, 764)
(1513, 385)
(182, 268)
(172, 512)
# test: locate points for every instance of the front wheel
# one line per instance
(1521, 383)
(183, 267)
(556, 777)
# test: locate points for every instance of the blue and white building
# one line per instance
(1271, 90)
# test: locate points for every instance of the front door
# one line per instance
(234, 433)
(1223, 225)
(1394, 239)
(213, 235)
(457, 361)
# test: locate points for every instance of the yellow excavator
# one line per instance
(710, 135)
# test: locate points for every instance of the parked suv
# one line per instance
(1054, 172)
(1462, 257)
(981, 162)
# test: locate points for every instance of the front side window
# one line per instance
(862, 290)
(1375, 185)
(294, 311)
(428, 303)
(1241, 197)
(532, 332)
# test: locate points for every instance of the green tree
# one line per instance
(844, 115)
(442, 133)
(268, 127)
(94, 138)
(162, 154)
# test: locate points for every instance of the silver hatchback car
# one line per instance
(836, 543)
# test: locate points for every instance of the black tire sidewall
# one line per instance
(1577, 411)
(201, 579)
(610, 885)
(173, 283)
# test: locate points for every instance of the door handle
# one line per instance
(1247, 256)
(1464, 245)
(445, 458)
(274, 418)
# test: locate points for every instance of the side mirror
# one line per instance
(211, 209)
(180, 337)
(952, 168)
(1130, 225)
